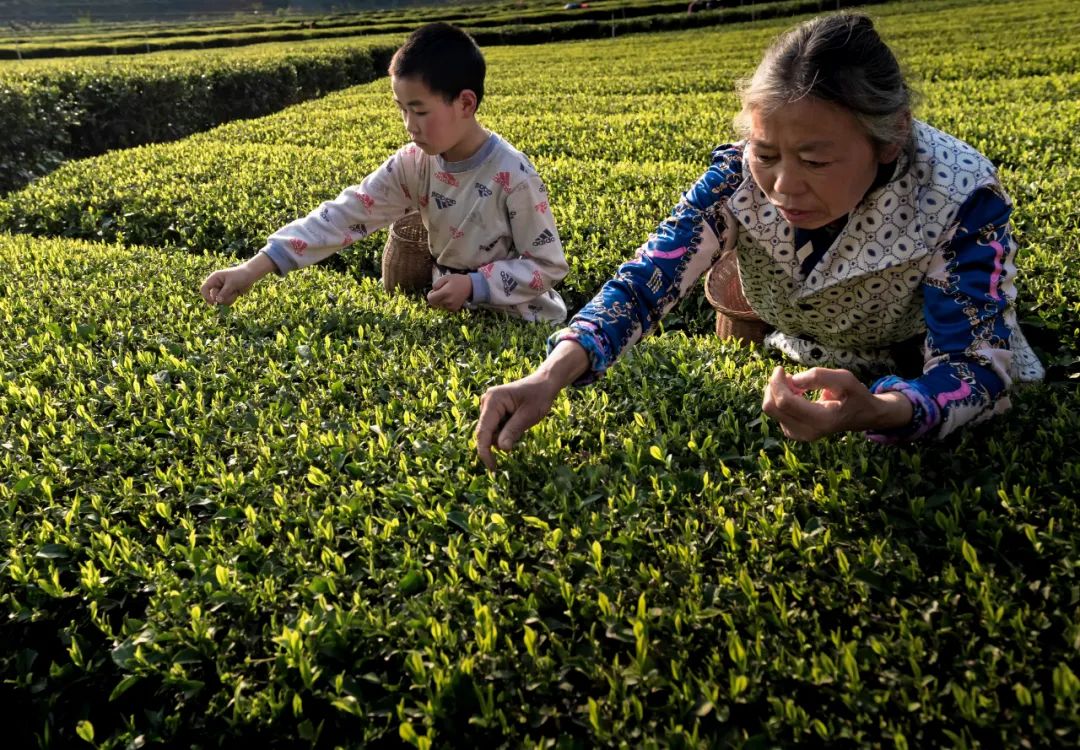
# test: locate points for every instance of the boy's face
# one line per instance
(434, 124)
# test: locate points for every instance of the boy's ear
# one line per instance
(467, 99)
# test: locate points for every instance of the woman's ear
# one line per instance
(892, 151)
(467, 100)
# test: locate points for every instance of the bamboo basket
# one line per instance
(734, 317)
(406, 260)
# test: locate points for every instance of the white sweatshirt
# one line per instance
(488, 215)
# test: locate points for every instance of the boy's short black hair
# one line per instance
(445, 58)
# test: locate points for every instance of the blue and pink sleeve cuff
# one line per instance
(926, 414)
(588, 337)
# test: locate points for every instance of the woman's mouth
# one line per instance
(793, 215)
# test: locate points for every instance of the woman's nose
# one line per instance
(787, 180)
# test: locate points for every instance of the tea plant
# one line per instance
(266, 524)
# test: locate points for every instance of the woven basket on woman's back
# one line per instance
(406, 260)
(734, 317)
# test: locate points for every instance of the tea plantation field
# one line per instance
(267, 525)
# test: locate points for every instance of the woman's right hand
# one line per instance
(507, 411)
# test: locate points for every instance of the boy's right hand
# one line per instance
(224, 286)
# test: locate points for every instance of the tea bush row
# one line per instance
(494, 13)
(507, 25)
(266, 524)
(83, 108)
(615, 153)
(53, 112)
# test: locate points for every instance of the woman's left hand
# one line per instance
(844, 404)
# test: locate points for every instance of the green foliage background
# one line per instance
(267, 524)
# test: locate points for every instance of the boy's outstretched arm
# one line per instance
(222, 287)
(381, 198)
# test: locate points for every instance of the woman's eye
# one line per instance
(766, 159)
(815, 164)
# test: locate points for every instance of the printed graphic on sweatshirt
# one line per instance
(546, 238)
(442, 201)
(446, 177)
(509, 283)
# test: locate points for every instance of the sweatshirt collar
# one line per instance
(473, 161)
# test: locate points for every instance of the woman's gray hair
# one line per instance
(838, 59)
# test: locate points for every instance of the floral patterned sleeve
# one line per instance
(967, 293)
(665, 269)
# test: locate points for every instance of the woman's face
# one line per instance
(813, 160)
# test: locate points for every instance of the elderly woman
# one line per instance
(855, 232)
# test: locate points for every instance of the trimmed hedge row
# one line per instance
(99, 108)
(85, 110)
(166, 30)
(36, 119)
(60, 112)
(144, 38)
(505, 28)
(619, 26)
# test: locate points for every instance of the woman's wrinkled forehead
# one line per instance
(808, 124)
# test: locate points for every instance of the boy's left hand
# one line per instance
(450, 292)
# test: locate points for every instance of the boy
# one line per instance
(486, 210)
